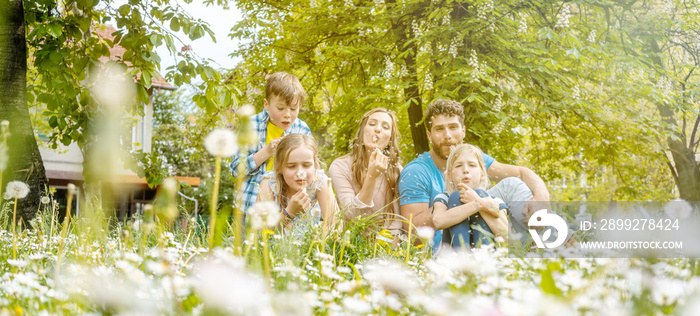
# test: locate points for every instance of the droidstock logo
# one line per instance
(542, 218)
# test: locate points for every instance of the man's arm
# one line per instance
(499, 171)
(422, 215)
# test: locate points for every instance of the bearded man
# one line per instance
(423, 178)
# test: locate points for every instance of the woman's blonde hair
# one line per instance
(285, 146)
(456, 152)
(360, 158)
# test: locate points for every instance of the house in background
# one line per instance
(64, 165)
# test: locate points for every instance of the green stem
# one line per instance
(212, 208)
(64, 231)
(14, 233)
(410, 240)
(266, 256)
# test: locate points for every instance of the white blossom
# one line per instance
(16, 190)
(416, 29)
(428, 82)
(388, 66)
(221, 142)
(576, 93)
(522, 26)
(425, 232)
(563, 18)
(591, 36)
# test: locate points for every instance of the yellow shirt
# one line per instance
(272, 132)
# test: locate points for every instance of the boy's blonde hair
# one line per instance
(285, 146)
(456, 152)
(286, 86)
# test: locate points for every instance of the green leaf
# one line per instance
(175, 24)
(54, 30)
(124, 10)
(574, 52)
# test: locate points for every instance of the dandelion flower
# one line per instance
(265, 213)
(45, 200)
(16, 190)
(221, 142)
(425, 232)
(246, 111)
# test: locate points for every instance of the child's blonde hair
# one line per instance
(286, 86)
(456, 152)
(285, 146)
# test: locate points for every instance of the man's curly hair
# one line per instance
(443, 107)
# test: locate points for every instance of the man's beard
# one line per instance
(439, 150)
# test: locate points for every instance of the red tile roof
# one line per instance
(116, 53)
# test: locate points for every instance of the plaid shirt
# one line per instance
(254, 175)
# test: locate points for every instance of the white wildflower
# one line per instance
(17, 263)
(231, 289)
(425, 232)
(357, 306)
(16, 190)
(71, 188)
(265, 214)
(45, 200)
(392, 276)
(221, 142)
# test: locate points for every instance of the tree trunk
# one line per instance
(687, 170)
(412, 92)
(25, 162)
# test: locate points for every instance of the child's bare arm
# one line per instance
(498, 225)
(266, 152)
(445, 218)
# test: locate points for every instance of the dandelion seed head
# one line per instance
(221, 142)
(16, 190)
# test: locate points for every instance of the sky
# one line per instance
(220, 21)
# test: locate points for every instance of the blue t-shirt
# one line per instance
(421, 180)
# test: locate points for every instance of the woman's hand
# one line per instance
(299, 203)
(378, 163)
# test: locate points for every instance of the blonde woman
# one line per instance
(366, 179)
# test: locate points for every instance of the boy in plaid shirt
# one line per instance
(284, 96)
